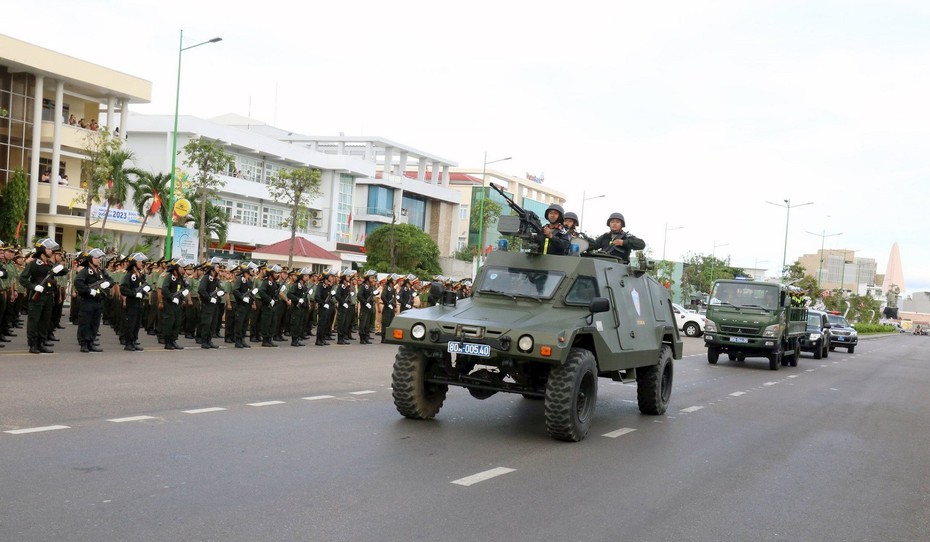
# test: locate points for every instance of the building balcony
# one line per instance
(373, 214)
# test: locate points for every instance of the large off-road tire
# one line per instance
(712, 355)
(571, 396)
(818, 351)
(413, 397)
(654, 384)
(851, 349)
(776, 357)
(692, 330)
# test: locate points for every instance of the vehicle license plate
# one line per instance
(469, 349)
(841, 338)
(739, 339)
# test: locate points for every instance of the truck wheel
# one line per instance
(413, 397)
(692, 330)
(775, 357)
(818, 351)
(740, 358)
(731, 357)
(826, 351)
(850, 349)
(712, 355)
(654, 384)
(797, 354)
(571, 395)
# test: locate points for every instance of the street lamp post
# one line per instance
(787, 205)
(484, 181)
(823, 237)
(169, 239)
(665, 237)
(713, 260)
(584, 199)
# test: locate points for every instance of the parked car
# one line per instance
(689, 322)
(842, 333)
(818, 338)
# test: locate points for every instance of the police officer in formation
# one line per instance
(326, 306)
(92, 284)
(244, 300)
(211, 294)
(173, 293)
(134, 291)
(389, 302)
(39, 280)
(366, 307)
(297, 296)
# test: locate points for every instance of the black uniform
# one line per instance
(387, 313)
(345, 319)
(325, 307)
(268, 294)
(40, 304)
(172, 292)
(630, 243)
(366, 312)
(242, 298)
(90, 285)
(297, 295)
(211, 301)
(560, 242)
(133, 290)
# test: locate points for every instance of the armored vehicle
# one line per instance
(545, 327)
(753, 319)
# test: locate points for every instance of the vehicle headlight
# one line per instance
(815, 336)
(772, 331)
(853, 333)
(525, 344)
(709, 326)
(418, 331)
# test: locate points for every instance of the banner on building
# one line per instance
(124, 216)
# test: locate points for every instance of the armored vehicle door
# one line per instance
(633, 305)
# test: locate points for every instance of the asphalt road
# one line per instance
(305, 444)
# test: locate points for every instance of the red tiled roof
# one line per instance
(302, 248)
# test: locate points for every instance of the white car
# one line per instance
(689, 322)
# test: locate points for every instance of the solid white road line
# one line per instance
(267, 403)
(691, 409)
(482, 476)
(318, 397)
(737, 393)
(36, 429)
(619, 432)
(203, 410)
(132, 419)
(363, 392)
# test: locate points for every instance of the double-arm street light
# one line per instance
(665, 237)
(787, 205)
(484, 194)
(169, 240)
(584, 199)
(823, 237)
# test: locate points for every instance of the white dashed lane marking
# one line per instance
(691, 409)
(203, 410)
(131, 419)
(36, 429)
(363, 392)
(619, 432)
(737, 393)
(318, 397)
(482, 476)
(267, 403)
(770, 383)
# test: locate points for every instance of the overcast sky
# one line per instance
(685, 113)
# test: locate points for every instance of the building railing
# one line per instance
(379, 211)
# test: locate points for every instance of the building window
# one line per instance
(271, 171)
(249, 169)
(463, 212)
(380, 201)
(245, 213)
(272, 218)
(415, 209)
(344, 207)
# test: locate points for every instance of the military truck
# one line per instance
(542, 326)
(753, 319)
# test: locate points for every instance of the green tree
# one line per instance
(96, 170)
(492, 211)
(414, 251)
(150, 190)
(209, 159)
(13, 207)
(297, 188)
(796, 275)
(700, 270)
(116, 190)
(215, 223)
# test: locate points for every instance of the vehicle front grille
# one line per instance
(741, 330)
(840, 333)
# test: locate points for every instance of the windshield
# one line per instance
(520, 282)
(745, 295)
(813, 320)
(838, 321)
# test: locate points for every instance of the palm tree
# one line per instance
(117, 189)
(215, 222)
(147, 189)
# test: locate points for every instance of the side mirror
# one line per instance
(599, 304)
